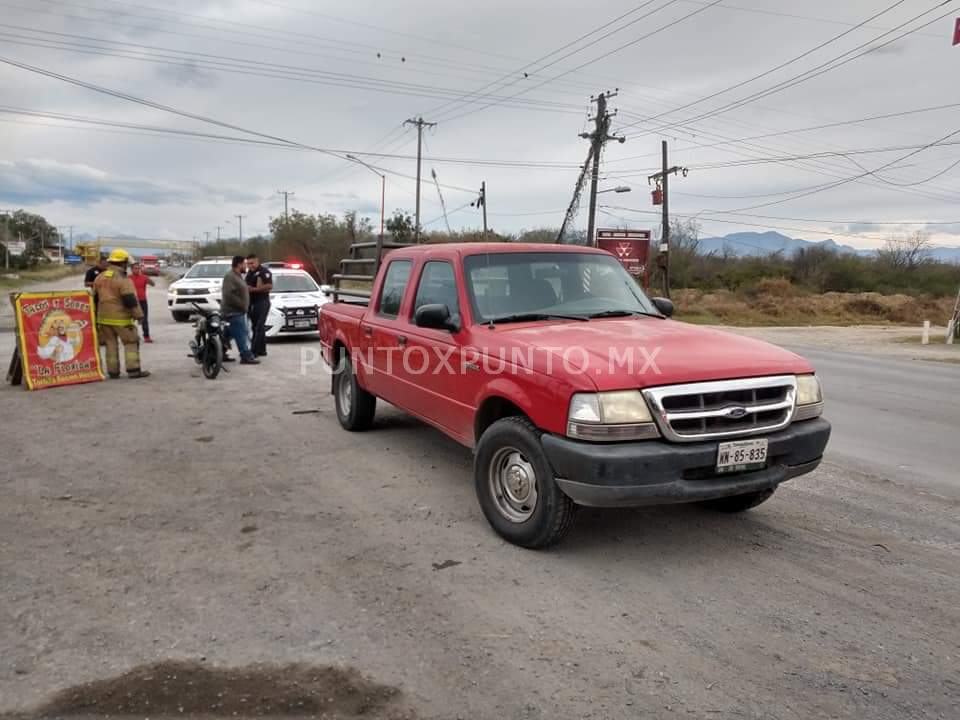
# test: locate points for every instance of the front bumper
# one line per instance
(659, 473)
(184, 303)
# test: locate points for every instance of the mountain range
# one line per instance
(744, 244)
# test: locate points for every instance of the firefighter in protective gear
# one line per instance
(117, 313)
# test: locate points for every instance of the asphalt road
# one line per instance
(895, 419)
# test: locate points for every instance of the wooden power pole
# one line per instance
(421, 124)
(598, 138)
(662, 180)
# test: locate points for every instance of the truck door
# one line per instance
(432, 372)
(382, 333)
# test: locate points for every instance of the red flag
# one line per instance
(956, 33)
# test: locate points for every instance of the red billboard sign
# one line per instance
(630, 247)
(56, 333)
(956, 33)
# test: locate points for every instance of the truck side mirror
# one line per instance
(664, 305)
(436, 316)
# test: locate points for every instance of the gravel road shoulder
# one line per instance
(231, 524)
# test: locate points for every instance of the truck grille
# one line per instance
(723, 408)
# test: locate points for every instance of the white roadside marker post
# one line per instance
(926, 333)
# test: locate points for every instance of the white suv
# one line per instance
(202, 284)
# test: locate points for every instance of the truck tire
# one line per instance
(739, 503)
(515, 486)
(355, 406)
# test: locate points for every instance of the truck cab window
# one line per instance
(438, 286)
(394, 285)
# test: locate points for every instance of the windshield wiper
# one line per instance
(621, 313)
(527, 317)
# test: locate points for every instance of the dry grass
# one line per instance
(777, 302)
(26, 277)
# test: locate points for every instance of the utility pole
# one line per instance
(421, 124)
(219, 228)
(598, 138)
(481, 202)
(286, 208)
(662, 180)
(240, 226)
(207, 233)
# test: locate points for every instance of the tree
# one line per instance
(400, 227)
(320, 241)
(35, 230)
(906, 252)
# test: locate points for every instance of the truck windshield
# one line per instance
(293, 283)
(208, 270)
(514, 286)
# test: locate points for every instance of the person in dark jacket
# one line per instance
(260, 283)
(234, 304)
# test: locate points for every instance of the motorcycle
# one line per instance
(208, 343)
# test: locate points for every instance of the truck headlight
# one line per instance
(809, 398)
(610, 417)
(174, 291)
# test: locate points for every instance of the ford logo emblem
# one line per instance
(736, 413)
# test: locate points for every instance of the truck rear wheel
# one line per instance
(515, 486)
(355, 406)
(739, 503)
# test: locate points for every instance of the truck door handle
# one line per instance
(368, 331)
(402, 340)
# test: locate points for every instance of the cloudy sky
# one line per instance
(508, 84)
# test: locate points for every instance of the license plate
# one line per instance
(740, 455)
(302, 324)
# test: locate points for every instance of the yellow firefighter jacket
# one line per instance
(117, 303)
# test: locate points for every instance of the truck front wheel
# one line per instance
(515, 486)
(739, 503)
(355, 406)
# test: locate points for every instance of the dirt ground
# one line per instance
(228, 537)
(889, 340)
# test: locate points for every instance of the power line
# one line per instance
(283, 35)
(239, 66)
(193, 116)
(521, 73)
(844, 181)
(821, 69)
(782, 65)
(507, 164)
(594, 60)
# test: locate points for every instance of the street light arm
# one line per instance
(368, 167)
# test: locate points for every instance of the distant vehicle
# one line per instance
(163, 263)
(201, 284)
(294, 303)
(150, 264)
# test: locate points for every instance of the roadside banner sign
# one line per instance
(16, 247)
(57, 338)
(956, 33)
(630, 247)
(72, 259)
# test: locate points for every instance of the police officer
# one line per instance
(260, 282)
(117, 313)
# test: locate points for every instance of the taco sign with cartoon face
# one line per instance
(57, 338)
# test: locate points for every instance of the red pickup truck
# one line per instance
(570, 384)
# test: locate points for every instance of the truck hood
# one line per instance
(617, 354)
(297, 300)
(197, 283)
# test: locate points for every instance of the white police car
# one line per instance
(295, 302)
(202, 284)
